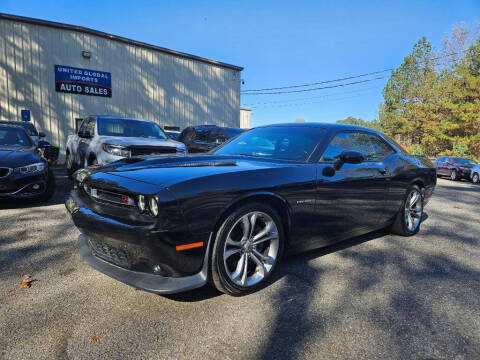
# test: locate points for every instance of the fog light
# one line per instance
(36, 187)
(141, 203)
(153, 206)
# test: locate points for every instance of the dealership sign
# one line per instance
(82, 81)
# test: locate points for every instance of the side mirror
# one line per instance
(42, 144)
(41, 134)
(349, 157)
(84, 134)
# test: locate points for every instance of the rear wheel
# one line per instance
(475, 178)
(408, 219)
(453, 175)
(247, 249)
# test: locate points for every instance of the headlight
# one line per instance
(141, 203)
(81, 175)
(117, 150)
(153, 206)
(30, 169)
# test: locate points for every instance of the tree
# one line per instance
(408, 95)
(374, 124)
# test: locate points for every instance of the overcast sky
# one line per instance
(279, 43)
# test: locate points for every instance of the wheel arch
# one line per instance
(274, 200)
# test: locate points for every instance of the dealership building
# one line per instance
(54, 74)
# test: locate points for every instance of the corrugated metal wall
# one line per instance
(245, 118)
(146, 84)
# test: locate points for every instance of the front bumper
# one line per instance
(18, 186)
(137, 253)
(149, 282)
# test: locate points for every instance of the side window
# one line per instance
(83, 125)
(201, 135)
(371, 146)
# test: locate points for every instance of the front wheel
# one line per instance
(247, 249)
(408, 219)
(475, 178)
(453, 175)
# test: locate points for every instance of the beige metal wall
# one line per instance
(146, 84)
(245, 118)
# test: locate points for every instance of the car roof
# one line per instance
(326, 126)
(119, 117)
(16, 123)
(14, 126)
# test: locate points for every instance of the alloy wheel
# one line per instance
(475, 178)
(251, 248)
(453, 175)
(413, 210)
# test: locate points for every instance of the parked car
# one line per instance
(204, 138)
(24, 173)
(475, 174)
(104, 139)
(454, 167)
(170, 224)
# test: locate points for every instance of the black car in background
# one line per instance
(170, 224)
(204, 138)
(456, 168)
(24, 173)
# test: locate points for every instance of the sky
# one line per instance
(279, 43)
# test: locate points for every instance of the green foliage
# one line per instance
(431, 111)
(374, 124)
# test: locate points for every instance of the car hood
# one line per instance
(165, 171)
(139, 141)
(13, 157)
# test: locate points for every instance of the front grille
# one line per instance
(152, 150)
(110, 253)
(4, 172)
(109, 196)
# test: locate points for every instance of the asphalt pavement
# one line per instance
(379, 296)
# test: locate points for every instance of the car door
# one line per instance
(352, 199)
(84, 142)
(440, 165)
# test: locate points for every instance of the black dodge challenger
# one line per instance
(170, 224)
(24, 173)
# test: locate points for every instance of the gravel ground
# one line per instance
(375, 297)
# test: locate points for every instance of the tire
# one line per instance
(227, 273)
(475, 178)
(453, 175)
(409, 212)
(47, 195)
(69, 165)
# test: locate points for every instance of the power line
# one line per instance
(260, 91)
(319, 83)
(356, 91)
(314, 89)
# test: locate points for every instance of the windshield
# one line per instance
(10, 136)
(464, 161)
(276, 142)
(29, 127)
(130, 128)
